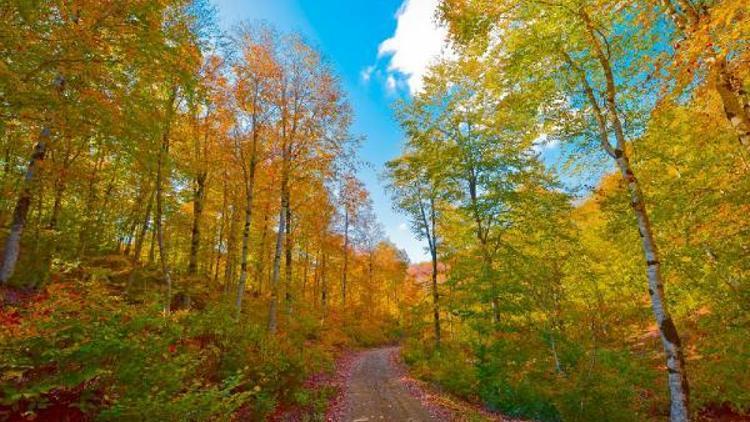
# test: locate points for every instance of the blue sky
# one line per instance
(379, 48)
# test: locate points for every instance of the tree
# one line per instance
(49, 73)
(707, 46)
(257, 77)
(587, 49)
(416, 192)
(204, 106)
(351, 195)
(478, 139)
(311, 129)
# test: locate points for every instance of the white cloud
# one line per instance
(366, 73)
(418, 40)
(390, 84)
(403, 227)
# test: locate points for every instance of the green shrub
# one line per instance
(518, 377)
(118, 361)
(511, 381)
(450, 367)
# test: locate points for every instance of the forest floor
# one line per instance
(376, 387)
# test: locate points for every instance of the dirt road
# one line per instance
(375, 392)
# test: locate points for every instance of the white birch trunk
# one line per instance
(21, 211)
(673, 350)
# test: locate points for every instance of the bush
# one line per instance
(517, 376)
(450, 367)
(512, 380)
(77, 347)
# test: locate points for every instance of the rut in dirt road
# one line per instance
(375, 392)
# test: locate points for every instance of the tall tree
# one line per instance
(351, 194)
(46, 77)
(257, 77)
(417, 193)
(311, 132)
(587, 53)
(204, 109)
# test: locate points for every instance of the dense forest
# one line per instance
(626, 300)
(171, 198)
(185, 234)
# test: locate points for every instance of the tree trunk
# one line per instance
(198, 197)
(316, 279)
(282, 229)
(345, 268)
(140, 238)
(244, 253)
(83, 235)
(144, 228)
(305, 269)
(435, 297)
(129, 235)
(222, 226)
(673, 350)
(429, 227)
(435, 293)
(730, 90)
(163, 258)
(231, 246)
(273, 307)
(103, 209)
(288, 257)
(152, 245)
(217, 256)
(260, 269)
(57, 202)
(132, 232)
(482, 233)
(160, 178)
(21, 210)
(249, 174)
(732, 95)
(220, 238)
(323, 286)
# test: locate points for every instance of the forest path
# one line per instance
(375, 391)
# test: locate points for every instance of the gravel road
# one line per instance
(375, 391)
